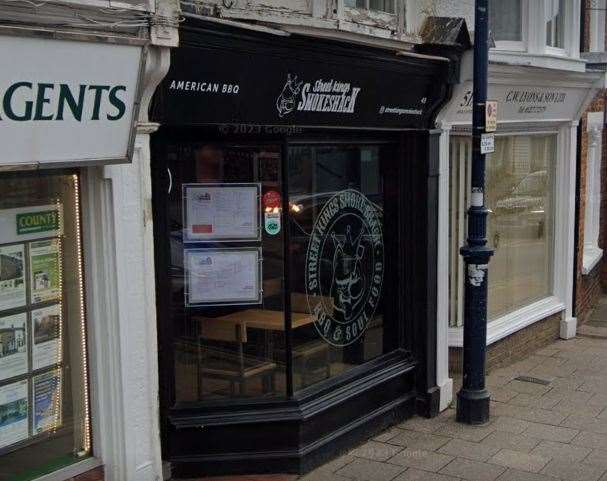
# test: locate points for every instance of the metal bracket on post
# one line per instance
(473, 399)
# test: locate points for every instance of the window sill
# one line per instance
(592, 255)
(72, 470)
(513, 322)
(546, 60)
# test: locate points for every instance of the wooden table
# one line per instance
(233, 327)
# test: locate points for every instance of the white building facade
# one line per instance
(79, 395)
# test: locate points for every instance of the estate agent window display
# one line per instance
(44, 410)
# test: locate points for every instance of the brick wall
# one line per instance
(588, 287)
(514, 347)
(93, 475)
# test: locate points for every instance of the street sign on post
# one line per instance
(491, 116)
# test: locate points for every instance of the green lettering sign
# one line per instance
(35, 222)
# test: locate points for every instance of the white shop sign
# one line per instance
(67, 101)
(520, 103)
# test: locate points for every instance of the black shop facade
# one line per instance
(295, 210)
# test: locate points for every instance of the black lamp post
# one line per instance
(473, 398)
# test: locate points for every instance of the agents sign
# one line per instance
(67, 101)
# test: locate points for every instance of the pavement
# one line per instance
(548, 423)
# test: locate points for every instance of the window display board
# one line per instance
(31, 331)
(221, 212)
(223, 276)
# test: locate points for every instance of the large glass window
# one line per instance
(520, 196)
(226, 274)
(555, 23)
(505, 20)
(44, 410)
(236, 259)
(338, 242)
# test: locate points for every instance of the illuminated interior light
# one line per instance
(87, 424)
(59, 373)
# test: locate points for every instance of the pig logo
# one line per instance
(285, 103)
(345, 267)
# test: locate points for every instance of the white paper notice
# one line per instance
(214, 212)
(46, 333)
(47, 401)
(223, 276)
(13, 413)
(13, 346)
(12, 276)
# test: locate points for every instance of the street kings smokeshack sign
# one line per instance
(67, 101)
(282, 87)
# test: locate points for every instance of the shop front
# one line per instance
(295, 230)
(69, 109)
(531, 196)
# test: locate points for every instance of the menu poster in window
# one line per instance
(45, 266)
(221, 212)
(46, 333)
(13, 346)
(223, 276)
(12, 276)
(13, 413)
(47, 401)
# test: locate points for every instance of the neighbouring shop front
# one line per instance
(295, 219)
(68, 102)
(531, 196)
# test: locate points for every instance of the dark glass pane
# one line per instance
(226, 284)
(338, 273)
(505, 20)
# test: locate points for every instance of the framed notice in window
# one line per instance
(223, 276)
(221, 212)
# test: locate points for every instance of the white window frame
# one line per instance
(562, 268)
(534, 38)
(592, 213)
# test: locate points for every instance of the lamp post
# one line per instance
(473, 398)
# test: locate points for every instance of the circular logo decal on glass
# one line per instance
(345, 267)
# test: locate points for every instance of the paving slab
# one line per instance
(469, 450)
(473, 470)
(561, 451)
(367, 470)
(573, 471)
(520, 461)
(375, 451)
(420, 459)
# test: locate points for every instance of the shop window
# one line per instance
(520, 197)
(387, 6)
(592, 206)
(555, 23)
(505, 20)
(237, 260)
(337, 244)
(44, 405)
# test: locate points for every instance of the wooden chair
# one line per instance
(224, 364)
(306, 352)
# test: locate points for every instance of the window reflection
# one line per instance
(337, 259)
